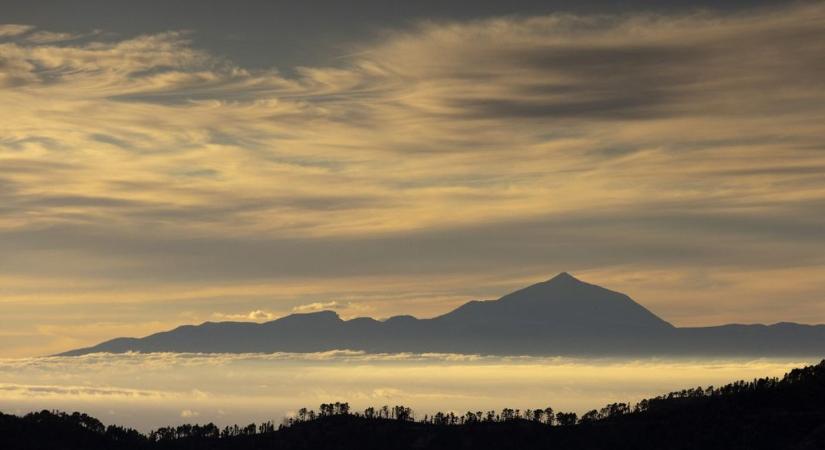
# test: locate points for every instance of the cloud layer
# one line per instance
(155, 390)
(678, 158)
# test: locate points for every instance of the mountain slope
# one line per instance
(561, 316)
(563, 302)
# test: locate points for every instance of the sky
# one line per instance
(175, 162)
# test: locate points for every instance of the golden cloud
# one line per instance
(609, 144)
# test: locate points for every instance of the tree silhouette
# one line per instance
(402, 413)
(549, 417)
(764, 414)
(566, 419)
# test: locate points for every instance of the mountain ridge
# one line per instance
(560, 316)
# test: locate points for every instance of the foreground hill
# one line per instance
(786, 414)
(561, 316)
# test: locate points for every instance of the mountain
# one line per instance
(561, 316)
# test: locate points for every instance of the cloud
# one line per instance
(11, 30)
(316, 306)
(443, 162)
(188, 413)
(49, 37)
(14, 391)
(152, 390)
(259, 315)
(254, 316)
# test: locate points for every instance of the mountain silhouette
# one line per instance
(560, 316)
(562, 303)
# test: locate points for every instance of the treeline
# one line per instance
(406, 414)
(550, 417)
(764, 413)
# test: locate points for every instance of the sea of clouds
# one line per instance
(151, 390)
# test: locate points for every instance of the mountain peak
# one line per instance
(563, 281)
(560, 316)
(565, 302)
(564, 276)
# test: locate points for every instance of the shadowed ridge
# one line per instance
(325, 316)
(116, 345)
(362, 320)
(404, 318)
(315, 323)
(560, 316)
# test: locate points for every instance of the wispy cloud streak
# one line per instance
(620, 146)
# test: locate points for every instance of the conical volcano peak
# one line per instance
(564, 277)
(563, 281)
(569, 303)
(561, 288)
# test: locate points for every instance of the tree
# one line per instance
(507, 414)
(267, 427)
(614, 410)
(402, 413)
(127, 435)
(548, 416)
(566, 419)
(326, 409)
(440, 418)
(343, 408)
(590, 416)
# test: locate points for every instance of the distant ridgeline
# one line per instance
(768, 413)
(562, 316)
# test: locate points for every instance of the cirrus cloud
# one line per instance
(680, 147)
